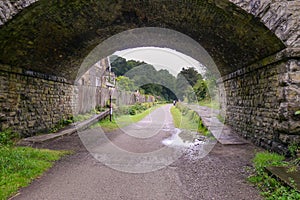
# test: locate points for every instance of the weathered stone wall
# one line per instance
(31, 102)
(288, 128)
(261, 101)
(9, 8)
(280, 16)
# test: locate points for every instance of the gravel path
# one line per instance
(219, 175)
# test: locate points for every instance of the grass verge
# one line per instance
(187, 119)
(122, 120)
(20, 165)
(271, 188)
(210, 103)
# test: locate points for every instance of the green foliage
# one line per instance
(201, 89)
(185, 118)
(271, 188)
(157, 90)
(160, 83)
(191, 75)
(20, 165)
(122, 118)
(181, 86)
(263, 159)
(134, 109)
(120, 66)
(99, 108)
(297, 112)
(124, 83)
(211, 83)
(190, 95)
(164, 86)
(294, 148)
(61, 124)
(78, 118)
(7, 137)
(211, 103)
(220, 118)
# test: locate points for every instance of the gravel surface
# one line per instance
(220, 175)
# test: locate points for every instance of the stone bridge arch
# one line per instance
(254, 43)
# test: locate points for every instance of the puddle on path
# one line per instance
(193, 145)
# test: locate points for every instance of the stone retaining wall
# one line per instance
(32, 102)
(261, 101)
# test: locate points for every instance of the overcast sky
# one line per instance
(161, 58)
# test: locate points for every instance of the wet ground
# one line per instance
(144, 161)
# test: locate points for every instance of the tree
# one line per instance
(200, 89)
(211, 83)
(120, 66)
(181, 86)
(190, 94)
(124, 83)
(191, 75)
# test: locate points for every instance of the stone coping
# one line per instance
(290, 178)
(68, 131)
(220, 131)
(288, 53)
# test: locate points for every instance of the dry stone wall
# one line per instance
(261, 101)
(31, 102)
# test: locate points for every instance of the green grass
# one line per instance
(188, 121)
(122, 120)
(271, 188)
(210, 103)
(82, 117)
(20, 165)
(182, 121)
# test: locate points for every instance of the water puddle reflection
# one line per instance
(193, 145)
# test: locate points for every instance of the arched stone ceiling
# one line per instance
(54, 37)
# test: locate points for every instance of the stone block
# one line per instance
(294, 66)
(31, 124)
(294, 77)
(289, 139)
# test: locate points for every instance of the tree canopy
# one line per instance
(189, 83)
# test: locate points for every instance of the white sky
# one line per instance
(161, 58)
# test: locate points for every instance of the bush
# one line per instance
(134, 109)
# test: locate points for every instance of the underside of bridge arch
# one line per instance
(53, 37)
